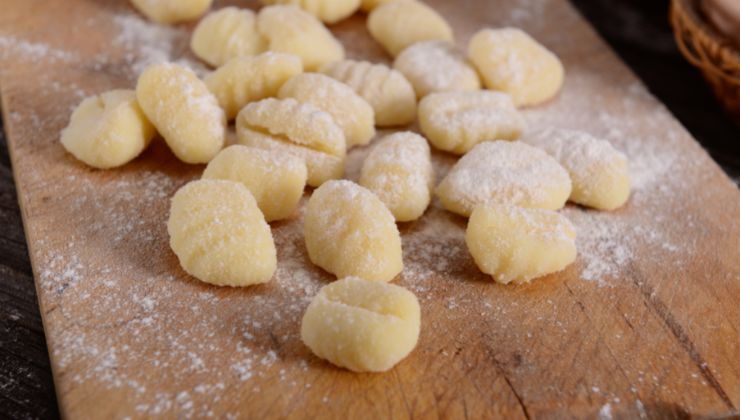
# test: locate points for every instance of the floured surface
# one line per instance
(645, 321)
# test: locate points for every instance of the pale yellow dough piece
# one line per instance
(108, 130)
(172, 11)
(225, 34)
(361, 325)
(275, 180)
(369, 5)
(436, 66)
(350, 232)
(507, 173)
(219, 234)
(456, 121)
(291, 30)
(516, 245)
(247, 79)
(399, 24)
(329, 11)
(399, 171)
(510, 60)
(599, 172)
(352, 113)
(289, 126)
(386, 90)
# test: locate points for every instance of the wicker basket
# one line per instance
(708, 50)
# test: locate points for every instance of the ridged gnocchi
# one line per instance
(353, 114)
(329, 11)
(288, 126)
(219, 234)
(456, 121)
(225, 34)
(172, 11)
(399, 24)
(436, 66)
(511, 61)
(362, 325)
(516, 245)
(350, 232)
(183, 110)
(507, 173)
(108, 130)
(399, 171)
(247, 79)
(275, 180)
(386, 90)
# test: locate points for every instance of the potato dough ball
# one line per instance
(598, 171)
(184, 112)
(247, 79)
(225, 34)
(219, 234)
(352, 113)
(436, 66)
(361, 325)
(386, 90)
(399, 24)
(369, 5)
(507, 173)
(108, 130)
(288, 126)
(275, 180)
(515, 244)
(510, 60)
(350, 232)
(172, 11)
(399, 171)
(291, 30)
(329, 11)
(456, 121)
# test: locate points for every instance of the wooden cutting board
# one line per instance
(644, 323)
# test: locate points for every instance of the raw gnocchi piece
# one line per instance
(399, 24)
(507, 173)
(386, 90)
(247, 79)
(288, 126)
(361, 325)
(350, 232)
(352, 113)
(329, 11)
(399, 171)
(510, 60)
(456, 121)
(108, 130)
(172, 11)
(436, 66)
(275, 180)
(184, 112)
(515, 244)
(219, 234)
(291, 30)
(599, 172)
(369, 5)
(225, 34)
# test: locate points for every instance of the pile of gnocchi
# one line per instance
(298, 106)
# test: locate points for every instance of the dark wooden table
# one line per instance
(638, 30)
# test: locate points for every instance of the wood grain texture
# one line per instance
(131, 334)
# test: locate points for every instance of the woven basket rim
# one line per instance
(690, 8)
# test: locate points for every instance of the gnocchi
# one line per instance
(329, 11)
(515, 245)
(507, 173)
(184, 112)
(172, 11)
(511, 61)
(225, 34)
(288, 126)
(399, 171)
(386, 90)
(275, 180)
(456, 121)
(599, 172)
(369, 5)
(352, 113)
(108, 130)
(436, 66)
(219, 234)
(247, 79)
(350, 232)
(362, 325)
(399, 24)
